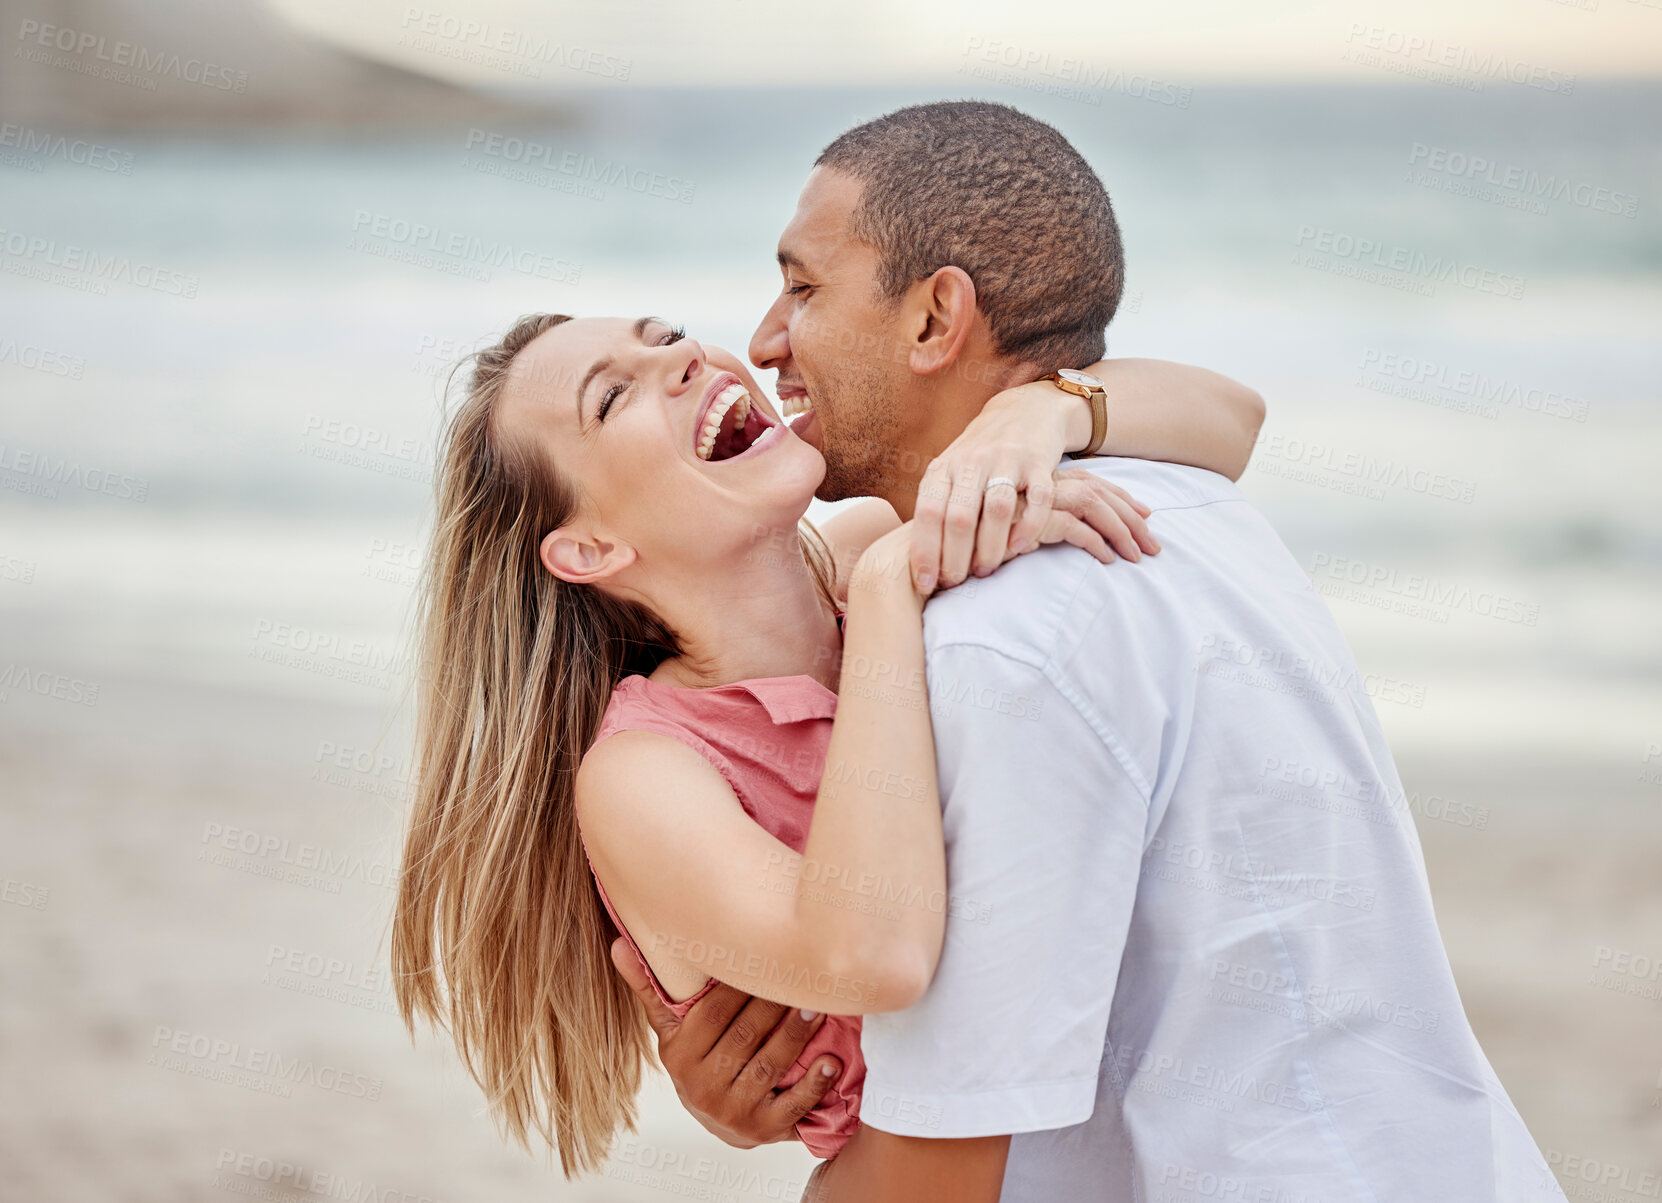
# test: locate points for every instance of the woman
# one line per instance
(629, 653)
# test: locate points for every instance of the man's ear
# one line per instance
(944, 315)
(581, 556)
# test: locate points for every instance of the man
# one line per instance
(1191, 954)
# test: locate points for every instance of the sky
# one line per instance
(560, 44)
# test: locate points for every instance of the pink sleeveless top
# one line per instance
(768, 738)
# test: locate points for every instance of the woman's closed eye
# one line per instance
(669, 337)
(606, 399)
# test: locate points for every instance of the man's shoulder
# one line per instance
(1161, 486)
(1034, 605)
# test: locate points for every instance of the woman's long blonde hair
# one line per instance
(498, 932)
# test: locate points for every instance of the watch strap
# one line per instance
(1099, 424)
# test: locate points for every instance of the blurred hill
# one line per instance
(291, 80)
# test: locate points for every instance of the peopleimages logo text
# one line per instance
(1440, 269)
(480, 40)
(416, 239)
(1370, 469)
(587, 169)
(1074, 78)
(1479, 169)
(48, 253)
(38, 472)
(1420, 378)
(119, 53)
(70, 150)
(1432, 52)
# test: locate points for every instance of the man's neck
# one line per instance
(955, 399)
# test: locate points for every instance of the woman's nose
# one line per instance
(686, 369)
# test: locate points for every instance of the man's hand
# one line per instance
(727, 1054)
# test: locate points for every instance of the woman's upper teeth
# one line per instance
(732, 399)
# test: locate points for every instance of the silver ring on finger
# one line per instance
(1000, 480)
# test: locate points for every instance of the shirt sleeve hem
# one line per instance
(1006, 1111)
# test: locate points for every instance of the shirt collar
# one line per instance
(790, 699)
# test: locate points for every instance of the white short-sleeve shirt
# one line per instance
(1190, 952)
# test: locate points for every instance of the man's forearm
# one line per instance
(877, 1167)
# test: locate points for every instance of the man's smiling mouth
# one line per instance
(794, 403)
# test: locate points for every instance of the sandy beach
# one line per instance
(185, 1021)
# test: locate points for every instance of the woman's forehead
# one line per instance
(552, 367)
(573, 346)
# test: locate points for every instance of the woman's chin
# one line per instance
(812, 475)
(773, 490)
(799, 469)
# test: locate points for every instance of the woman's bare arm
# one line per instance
(851, 530)
(1081, 508)
(701, 886)
(1156, 410)
(1173, 412)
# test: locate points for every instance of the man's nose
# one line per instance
(770, 346)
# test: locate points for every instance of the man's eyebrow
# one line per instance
(600, 365)
(789, 260)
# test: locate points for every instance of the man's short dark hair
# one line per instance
(1003, 196)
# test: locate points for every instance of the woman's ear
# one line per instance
(582, 557)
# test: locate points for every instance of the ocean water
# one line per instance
(220, 366)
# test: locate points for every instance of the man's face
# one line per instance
(837, 345)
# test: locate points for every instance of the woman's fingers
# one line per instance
(1094, 507)
(960, 526)
(1086, 475)
(929, 524)
(1110, 512)
(1063, 527)
(998, 510)
(1135, 504)
(963, 515)
(1035, 512)
(1133, 527)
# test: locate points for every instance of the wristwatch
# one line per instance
(1083, 384)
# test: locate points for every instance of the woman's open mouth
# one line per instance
(731, 423)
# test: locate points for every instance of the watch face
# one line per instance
(1084, 378)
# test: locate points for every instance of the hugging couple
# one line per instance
(1091, 878)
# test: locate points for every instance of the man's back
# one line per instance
(1191, 946)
